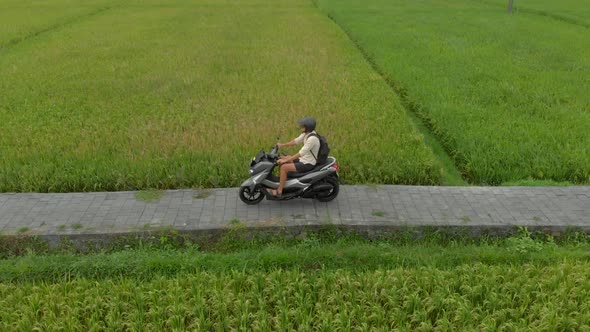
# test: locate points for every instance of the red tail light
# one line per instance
(336, 166)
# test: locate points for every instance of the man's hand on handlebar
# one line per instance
(283, 160)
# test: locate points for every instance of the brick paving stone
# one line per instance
(356, 205)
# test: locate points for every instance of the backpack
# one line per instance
(323, 152)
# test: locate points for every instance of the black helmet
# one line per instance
(308, 122)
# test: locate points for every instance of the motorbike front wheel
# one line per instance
(251, 197)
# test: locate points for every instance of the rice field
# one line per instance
(126, 95)
(507, 95)
(322, 282)
(571, 11)
(20, 20)
(182, 94)
(469, 297)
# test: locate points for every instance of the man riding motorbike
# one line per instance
(305, 160)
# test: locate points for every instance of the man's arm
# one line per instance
(295, 141)
(289, 159)
(280, 145)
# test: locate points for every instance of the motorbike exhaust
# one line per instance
(309, 194)
(318, 190)
(322, 187)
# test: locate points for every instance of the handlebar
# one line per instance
(272, 155)
(274, 150)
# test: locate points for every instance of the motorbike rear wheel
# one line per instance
(334, 192)
(251, 197)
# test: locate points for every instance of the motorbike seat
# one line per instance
(296, 175)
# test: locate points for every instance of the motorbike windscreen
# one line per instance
(259, 157)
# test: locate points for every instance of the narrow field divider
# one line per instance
(54, 27)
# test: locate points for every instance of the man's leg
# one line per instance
(283, 170)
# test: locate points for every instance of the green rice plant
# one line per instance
(506, 95)
(468, 297)
(568, 11)
(22, 21)
(353, 286)
(146, 95)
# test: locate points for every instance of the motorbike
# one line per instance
(320, 183)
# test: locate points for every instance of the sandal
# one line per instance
(275, 193)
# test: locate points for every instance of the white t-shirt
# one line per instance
(311, 144)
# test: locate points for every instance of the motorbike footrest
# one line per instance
(283, 197)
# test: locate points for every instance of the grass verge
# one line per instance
(170, 253)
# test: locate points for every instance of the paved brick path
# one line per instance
(85, 213)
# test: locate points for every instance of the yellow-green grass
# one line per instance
(20, 20)
(149, 95)
(507, 95)
(468, 297)
(572, 11)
